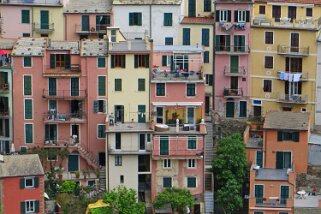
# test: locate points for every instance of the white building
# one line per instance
(318, 88)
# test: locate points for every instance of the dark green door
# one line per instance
(44, 19)
(141, 113)
(284, 194)
(164, 145)
(73, 163)
(243, 108)
(234, 64)
(85, 23)
(229, 109)
(259, 158)
(258, 193)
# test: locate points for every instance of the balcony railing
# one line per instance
(73, 70)
(305, 23)
(43, 28)
(55, 117)
(284, 75)
(225, 49)
(130, 150)
(98, 28)
(4, 87)
(65, 94)
(235, 71)
(33, 2)
(292, 98)
(271, 202)
(177, 76)
(293, 51)
(52, 143)
(233, 92)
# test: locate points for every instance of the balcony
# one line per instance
(284, 75)
(224, 49)
(292, 98)
(293, 51)
(65, 94)
(4, 88)
(130, 149)
(233, 92)
(4, 113)
(303, 23)
(73, 71)
(55, 117)
(92, 29)
(175, 76)
(271, 202)
(235, 71)
(58, 143)
(43, 28)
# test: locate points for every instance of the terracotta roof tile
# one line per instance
(287, 120)
(292, 1)
(197, 20)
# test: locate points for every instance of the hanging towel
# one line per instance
(291, 77)
(286, 76)
(296, 77)
(281, 75)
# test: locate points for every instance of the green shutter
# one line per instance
(164, 145)
(191, 8)
(36, 206)
(22, 183)
(243, 109)
(147, 61)
(279, 160)
(242, 43)
(28, 133)
(205, 36)
(280, 136)
(52, 60)
(118, 85)
(164, 60)
(27, 61)
(112, 61)
(101, 62)
(36, 182)
(167, 19)
(141, 113)
(67, 61)
(123, 61)
(25, 16)
(47, 131)
(27, 85)
(23, 208)
(186, 36)
(44, 19)
(235, 44)
(206, 56)
(28, 109)
(141, 84)
(136, 61)
(172, 63)
(191, 142)
(96, 106)
(101, 86)
(284, 194)
(296, 136)
(139, 16)
(217, 43)
(52, 87)
(258, 194)
(228, 43)
(131, 19)
(85, 23)
(259, 158)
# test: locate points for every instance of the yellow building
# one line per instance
(48, 21)
(284, 56)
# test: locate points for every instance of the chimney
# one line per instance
(177, 125)
(202, 126)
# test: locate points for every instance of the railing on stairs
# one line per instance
(88, 156)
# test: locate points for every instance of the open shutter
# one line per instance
(279, 160)
(139, 16)
(104, 107)
(36, 182)
(52, 60)
(280, 136)
(96, 106)
(229, 16)
(243, 43)
(131, 18)
(217, 43)
(123, 62)
(228, 43)
(136, 61)
(235, 15)
(22, 183)
(47, 131)
(36, 206)
(247, 16)
(112, 61)
(147, 61)
(164, 60)
(217, 16)
(67, 61)
(235, 43)
(296, 136)
(23, 208)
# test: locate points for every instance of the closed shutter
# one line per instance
(205, 37)
(191, 8)
(172, 63)
(280, 136)
(228, 16)
(123, 61)
(247, 16)
(296, 136)
(279, 160)
(52, 60)
(74, 86)
(22, 183)
(141, 84)
(28, 133)
(259, 193)
(27, 85)
(36, 182)
(243, 43)
(96, 106)
(44, 19)
(186, 36)
(139, 17)
(67, 61)
(243, 105)
(25, 16)
(101, 62)
(147, 61)
(236, 44)
(236, 16)
(206, 56)
(52, 86)
(112, 61)
(228, 43)
(284, 194)
(118, 85)
(164, 145)
(217, 16)
(259, 158)
(85, 23)
(47, 132)
(102, 86)
(164, 60)
(217, 43)
(28, 109)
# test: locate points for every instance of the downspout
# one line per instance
(214, 54)
(65, 26)
(150, 20)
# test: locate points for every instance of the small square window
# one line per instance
(160, 89)
(167, 182)
(29, 183)
(268, 62)
(262, 9)
(101, 62)
(267, 85)
(191, 142)
(118, 160)
(135, 19)
(27, 61)
(191, 163)
(168, 40)
(309, 12)
(167, 163)
(191, 182)
(190, 89)
(269, 38)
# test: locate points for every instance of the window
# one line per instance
(269, 38)
(190, 89)
(164, 145)
(102, 22)
(141, 61)
(167, 163)
(118, 141)
(206, 37)
(29, 183)
(52, 86)
(141, 84)
(258, 193)
(209, 79)
(206, 56)
(259, 158)
(101, 86)
(222, 42)
(141, 113)
(51, 155)
(241, 16)
(51, 132)
(288, 136)
(25, 34)
(191, 163)
(267, 85)
(207, 5)
(28, 109)
(191, 8)
(167, 182)
(243, 108)
(186, 36)
(268, 62)
(118, 160)
(118, 61)
(121, 178)
(168, 19)
(142, 142)
(168, 40)
(100, 106)
(101, 131)
(223, 15)
(191, 182)
(135, 19)
(283, 160)
(25, 16)
(160, 89)
(27, 61)
(30, 207)
(293, 64)
(60, 61)
(118, 85)
(309, 12)
(27, 85)
(191, 142)
(262, 9)
(28, 133)
(167, 60)
(101, 62)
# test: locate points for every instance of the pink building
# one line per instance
(63, 88)
(232, 50)
(86, 19)
(177, 106)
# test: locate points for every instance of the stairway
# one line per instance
(209, 150)
(88, 156)
(209, 202)
(102, 179)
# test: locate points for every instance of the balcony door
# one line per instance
(74, 86)
(84, 23)
(276, 12)
(44, 19)
(73, 163)
(52, 86)
(159, 114)
(230, 108)
(190, 116)
(164, 145)
(292, 13)
(234, 64)
(295, 42)
(284, 194)
(119, 113)
(283, 160)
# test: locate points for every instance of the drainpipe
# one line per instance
(214, 54)
(150, 20)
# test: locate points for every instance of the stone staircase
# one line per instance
(88, 156)
(209, 150)
(209, 202)
(102, 179)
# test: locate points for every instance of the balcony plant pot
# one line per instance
(77, 173)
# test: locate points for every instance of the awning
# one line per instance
(98, 204)
(177, 103)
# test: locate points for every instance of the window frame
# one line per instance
(99, 136)
(190, 92)
(267, 86)
(266, 62)
(136, 17)
(160, 90)
(33, 202)
(101, 59)
(29, 186)
(189, 141)
(119, 88)
(167, 163)
(24, 62)
(191, 163)
(169, 41)
(241, 16)
(168, 19)
(262, 9)
(223, 16)
(269, 40)
(171, 182)
(187, 183)
(22, 16)
(309, 10)
(118, 160)
(207, 6)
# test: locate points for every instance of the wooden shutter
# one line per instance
(105, 106)
(280, 136)
(141, 109)
(206, 56)
(139, 17)
(247, 16)
(27, 85)
(44, 18)
(112, 61)
(147, 61)
(279, 160)
(28, 109)
(22, 183)
(217, 43)
(296, 136)
(236, 16)
(52, 60)
(242, 43)
(67, 61)
(25, 16)
(164, 60)
(217, 16)
(205, 37)
(36, 182)
(36, 206)
(136, 61)
(123, 61)
(101, 86)
(85, 23)
(131, 18)
(228, 42)
(96, 106)
(22, 207)
(229, 16)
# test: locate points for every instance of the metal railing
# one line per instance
(64, 94)
(43, 27)
(245, 49)
(285, 22)
(235, 71)
(290, 50)
(72, 68)
(53, 116)
(174, 75)
(292, 98)
(233, 92)
(97, 28)
(269, 202)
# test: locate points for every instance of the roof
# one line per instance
(45, 3)
(291, 1)
(93, 47)
(177, 48)
(129, 46)
(20, 165)
(287, 120)
(146, 2)
(64, 45)
(272, 174)
(7, 44)
(88, 6)
(129, 127)
(315, 138)
(27, 46)
(319, 38)
(198, 20)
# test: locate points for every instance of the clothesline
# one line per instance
(291, 77)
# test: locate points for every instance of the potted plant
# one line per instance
(175, 115)
(85, 173)
(77, 173)
(97, 173)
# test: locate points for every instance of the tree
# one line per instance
(230, 169)
(124, 201)
(178, 199)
